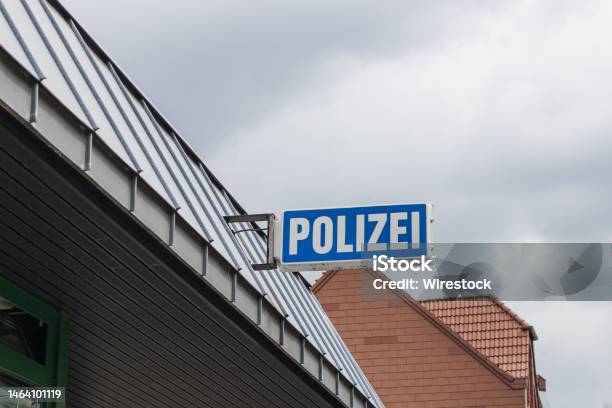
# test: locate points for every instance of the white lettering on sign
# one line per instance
(359, 240)
(416, 236)
(397, 230)
(319, 224)
(323, 234)
(299, 228)
(380, 220)
(342, 245)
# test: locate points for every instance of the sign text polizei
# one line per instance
(319, 239)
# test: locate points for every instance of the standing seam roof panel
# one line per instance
(221, 227)
(185, 198)
(55, 49)
(160, 151)
(219, 199)
(199, 197)
(112, 136)
(116, 111)
(53, 77)
(151, 150)
(106, 132)
(192, 205)
(15, 45)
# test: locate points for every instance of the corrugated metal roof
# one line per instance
(490, 327)
(46, 41)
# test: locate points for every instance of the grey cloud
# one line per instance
(506, 133)
(219, 67)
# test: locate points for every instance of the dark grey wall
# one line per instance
(146, 330)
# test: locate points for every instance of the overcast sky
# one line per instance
(498, 112)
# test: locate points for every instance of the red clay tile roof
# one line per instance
(490, 327)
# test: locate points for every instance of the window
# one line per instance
(33, 342)
(22, 332)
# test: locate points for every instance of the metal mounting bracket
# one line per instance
(252, 219)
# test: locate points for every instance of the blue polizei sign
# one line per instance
(319, 239)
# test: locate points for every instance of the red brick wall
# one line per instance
(409, 361)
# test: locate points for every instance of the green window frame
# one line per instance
(54, 372)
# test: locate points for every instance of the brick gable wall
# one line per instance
(409, 361)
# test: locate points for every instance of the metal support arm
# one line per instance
(253, 218)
